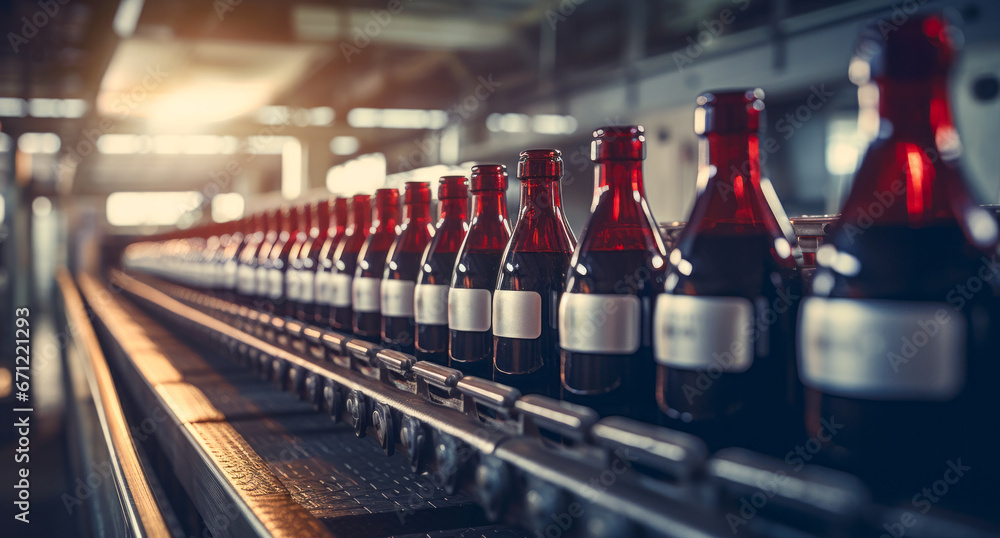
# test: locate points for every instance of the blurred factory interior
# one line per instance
(131, 117)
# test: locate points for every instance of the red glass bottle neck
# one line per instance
(917, 110)
(541, 195)
(729, 192)
(541, 225)
(454, 209)
(361, 221)
(418, 213)
(489, 205)
(620, 176)
(303, 221)
(385, 219)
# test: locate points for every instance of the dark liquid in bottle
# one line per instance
(397, 332)
(432, 340)
(586, 377)
(754, 408)
(472, 352)
(341, 318)
(886, 442)
(368, 326)
(532, 366)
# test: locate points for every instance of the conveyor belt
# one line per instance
(290, 462)
(289, 469)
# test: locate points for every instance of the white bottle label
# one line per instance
(431, 304)
(341, 289)
(307, 288)
(366, 294)
(517, 314)
(244, 280)
(882, 350)
(292, 284)
(323, 287)
(397, 298)
(592, 323)
(469, 309)
(230, 275)
(697, 333)
(275, 283)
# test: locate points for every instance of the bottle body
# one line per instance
(335, 272)
(229, 260)
(605, 313)
(277, 265)
(898, 340)
(300, 272)
(470, 297)
(724, 338)
(724, 328)
(529, 285)
(437, 263)
(402, 266)
(366, 288)
(330, 218)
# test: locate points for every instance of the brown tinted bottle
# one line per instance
(436, 266)
(366, 294)
(402, 265)
(334, 279)
(532, 274)
(898, 344)
(605, 314)
(724, 327)
(470, 299)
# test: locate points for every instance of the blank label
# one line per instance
(592, 323)
(367, 294)
(431, 304)
(397, 298)
(517, 314)
(469, 310)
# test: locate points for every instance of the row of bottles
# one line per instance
(889, 360)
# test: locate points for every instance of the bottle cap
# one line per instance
(729, 111)
(618, 143)
(540, 163)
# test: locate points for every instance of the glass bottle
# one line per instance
(605, 314)
(366, 296)
(470, 299)
(229, 258)
(335, 277)
(724, 328)
(272, 230)
(330, 219)
(402, 266)
(277, 262)
(532, 274)
(246, 275)
(436, 266)
(898, 342)
(296, 277)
